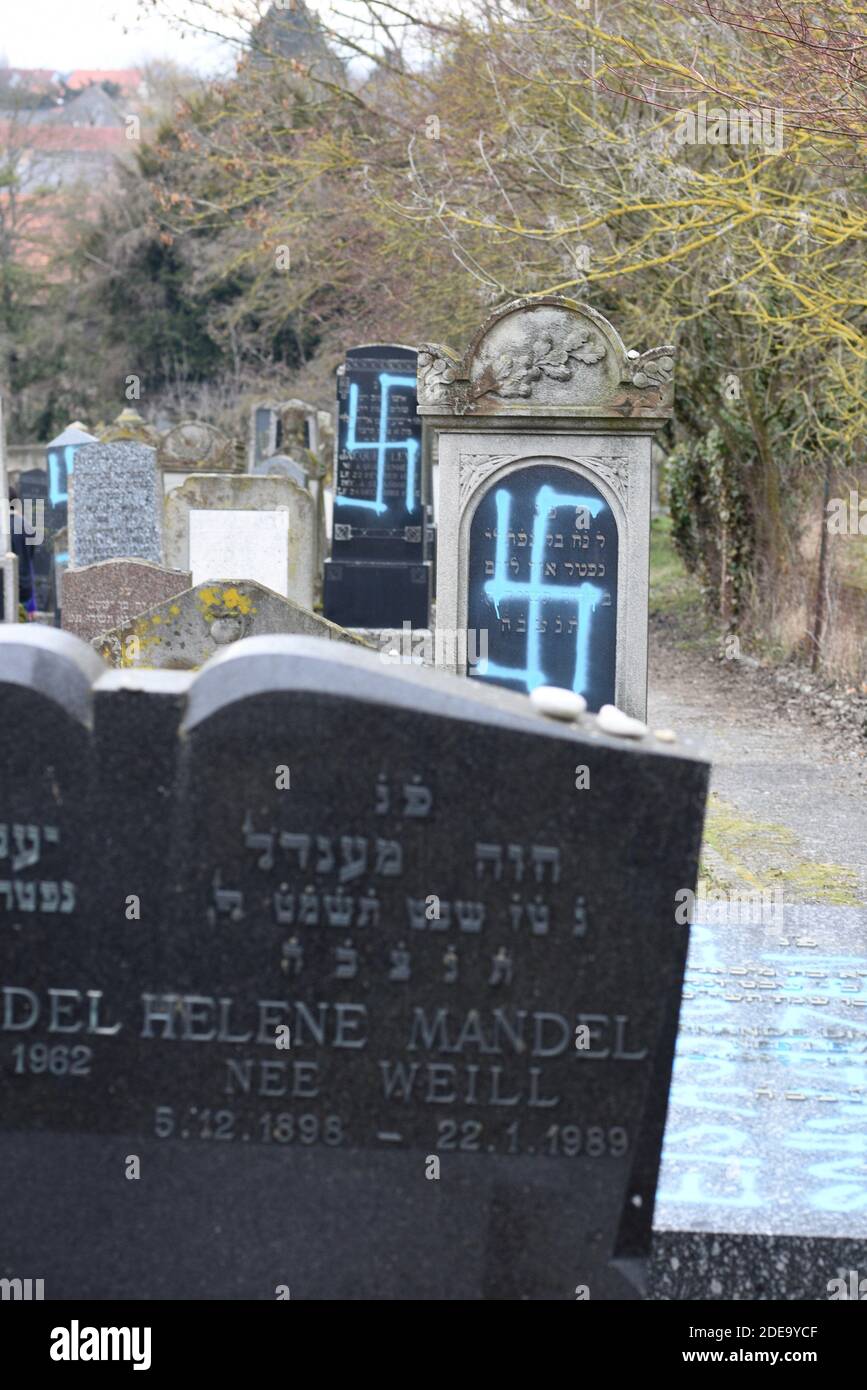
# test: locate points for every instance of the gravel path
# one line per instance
(789, 784)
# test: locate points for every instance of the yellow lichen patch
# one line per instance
(175, 610)
(207, 598)
(233, 599)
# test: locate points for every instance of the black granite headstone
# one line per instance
(542, 583)
(378, 575)
(37, 515)
(474, 965)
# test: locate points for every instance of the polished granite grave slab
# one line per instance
(763, 1188)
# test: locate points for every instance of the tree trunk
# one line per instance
(820, 614)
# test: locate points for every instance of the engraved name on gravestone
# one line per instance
(377, 576)
(324, 845)
(116, 504)
(544, 430)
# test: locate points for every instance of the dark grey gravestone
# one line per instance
(116, 504)
(302, 815)
(542, 582)
(36, 515)
(45, 755)
(378, 575)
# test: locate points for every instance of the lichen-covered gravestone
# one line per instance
(544, 430)
(381, 1005)
(187, 629)
(115, 505)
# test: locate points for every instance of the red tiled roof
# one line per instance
(126, 78)
(63, 138)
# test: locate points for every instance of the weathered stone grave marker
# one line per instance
(222, 527)
(544, 430)
(378, 576)
(281, 466)
(319, 842)
(116, 505)
(191, 447)
(264, 437)
(187, 629)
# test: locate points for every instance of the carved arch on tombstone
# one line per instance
(546, 355)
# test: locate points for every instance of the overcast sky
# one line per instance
(66, 34)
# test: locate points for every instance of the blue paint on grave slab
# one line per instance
(378, 504)
(542, 583)
(382, 446)
(767, 1122)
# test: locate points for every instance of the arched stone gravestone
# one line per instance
(544, 430)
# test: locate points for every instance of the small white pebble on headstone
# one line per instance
(612, 720)
(557, 702)
(665, 735)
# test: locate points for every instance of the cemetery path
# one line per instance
(788, 804)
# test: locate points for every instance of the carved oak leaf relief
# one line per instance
(516, 373)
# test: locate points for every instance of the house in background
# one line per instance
(67, 129)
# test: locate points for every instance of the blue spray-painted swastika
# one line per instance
(58, 477)
(61, 463)
(585, 596)
(383, 445)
